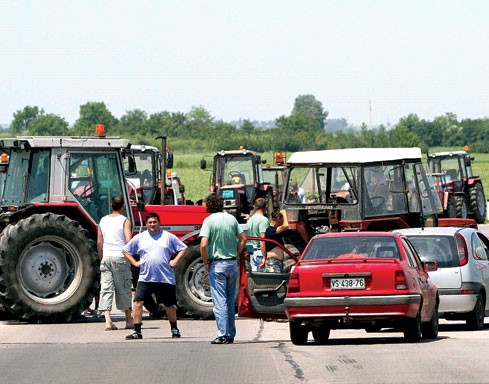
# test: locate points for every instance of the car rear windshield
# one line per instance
(352, 246)
(442, 249)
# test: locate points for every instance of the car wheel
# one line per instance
(475, 319)
(412, 329)
(321, 334)
(430, 329)
(298, 332)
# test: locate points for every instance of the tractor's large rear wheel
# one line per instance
(193, 288)
(49, 268)
(478, 203)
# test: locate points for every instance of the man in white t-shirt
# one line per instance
(114, 231)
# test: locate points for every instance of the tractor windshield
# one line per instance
(384, 189)
(237, 169)
(94, 178)
(322, 185)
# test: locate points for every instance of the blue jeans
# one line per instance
(222, 278)
(255, 261)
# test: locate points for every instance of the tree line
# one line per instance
(306, 128)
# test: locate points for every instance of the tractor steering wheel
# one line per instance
(377, 201)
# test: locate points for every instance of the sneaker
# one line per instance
(175, 333)
(230, 339)
(220, 340)
(134, 336)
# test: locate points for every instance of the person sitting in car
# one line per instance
(275, 254)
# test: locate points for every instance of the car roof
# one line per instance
(358, 234)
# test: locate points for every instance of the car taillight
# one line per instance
(463, 254)
(294, 285)
(400, 280)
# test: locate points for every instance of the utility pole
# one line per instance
(370, 111)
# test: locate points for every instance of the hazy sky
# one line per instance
(247, 59)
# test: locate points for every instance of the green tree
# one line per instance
(48, 125)
(23, 117)
(166, 123)
(297, 132)
(199, 122)
(310, 106)
(247, 126)
(93, 113)
(133, 122)
(401, 136)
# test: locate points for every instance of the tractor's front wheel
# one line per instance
(49, 268)
(462, 207)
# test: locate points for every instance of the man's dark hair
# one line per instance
(117, 203)
(152, 215)
(214, 203)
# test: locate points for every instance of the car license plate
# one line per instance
(349, 283)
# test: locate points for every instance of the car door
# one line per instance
(262, 294)
(423, 279)
(480, 249)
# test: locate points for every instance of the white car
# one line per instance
(462, 276)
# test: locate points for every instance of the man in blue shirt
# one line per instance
(155, 248)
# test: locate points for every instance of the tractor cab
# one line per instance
(238, 177)
(359, 189)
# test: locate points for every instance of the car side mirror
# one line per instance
(430, 266)
(203, 164)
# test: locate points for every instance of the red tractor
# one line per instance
(145, 185)
(53, 193)
(464, 192)
(237, 176)
(275, 175)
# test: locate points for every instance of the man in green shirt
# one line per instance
(257, 226)
(222, 240)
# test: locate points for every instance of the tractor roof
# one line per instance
(65, 141)
(237, 152)
(355, 156)
(447, 154)
(144, 148)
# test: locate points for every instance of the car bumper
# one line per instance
(351, 306)
(453, 303)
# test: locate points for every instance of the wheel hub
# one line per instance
(43, 269)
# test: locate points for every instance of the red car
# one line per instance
(368, 280)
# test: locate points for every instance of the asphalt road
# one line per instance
(84, 352)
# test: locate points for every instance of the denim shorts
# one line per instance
(274, 265)
(255, 261)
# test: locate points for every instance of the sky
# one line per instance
(367, 61)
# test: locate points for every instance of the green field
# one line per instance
(197, 181)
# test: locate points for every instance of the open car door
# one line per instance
(262, 294)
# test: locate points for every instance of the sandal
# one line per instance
(113, 327)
